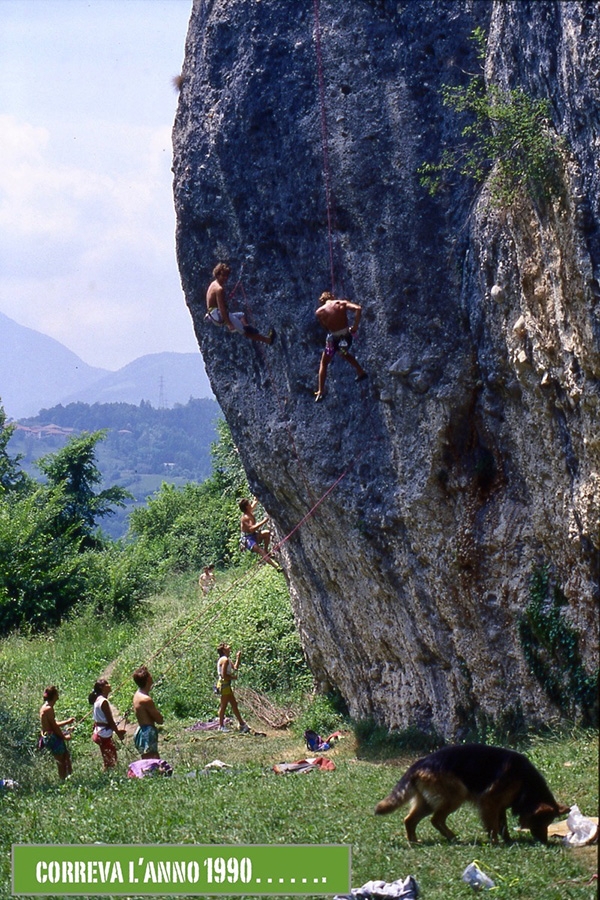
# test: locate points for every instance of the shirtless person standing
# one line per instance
(218, 312)
(147, 715)
(207, 579)
(53, 737)
(333, 316)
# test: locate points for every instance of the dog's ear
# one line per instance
(563, 810)
(538, 820)
(544, 811)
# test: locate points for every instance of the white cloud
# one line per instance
(84, 251)
(87, 249)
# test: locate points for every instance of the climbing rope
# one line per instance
(235, 584)
(239, 285)
(248, 576)
(324, 142)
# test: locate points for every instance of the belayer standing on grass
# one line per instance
(104, 723)
(53, 738)
(227, 672)
(147, 715)
(218, 313)
(333, 316)
(207, 580)
(253, 537)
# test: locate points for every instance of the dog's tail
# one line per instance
(400, 795)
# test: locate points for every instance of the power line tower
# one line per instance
(161, 393)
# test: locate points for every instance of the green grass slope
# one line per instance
(247, 803)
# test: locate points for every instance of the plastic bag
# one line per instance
(478, 880)
(581, 829)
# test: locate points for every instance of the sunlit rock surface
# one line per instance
(471, 457)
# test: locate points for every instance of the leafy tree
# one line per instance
(191, 526)
(74, 472)
(50, 556)
(120, 577)
(11, 476)
(42, 574)
(228, 473)
(508, 139)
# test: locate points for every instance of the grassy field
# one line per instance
(249, 803)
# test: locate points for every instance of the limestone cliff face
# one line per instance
(472, 456)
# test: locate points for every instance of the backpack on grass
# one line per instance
(314, 741)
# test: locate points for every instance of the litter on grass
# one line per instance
(143, 767)
(582, 830)
(478, 880)
(402, 889)
(7, 784)
(303, 766)
(213, 725)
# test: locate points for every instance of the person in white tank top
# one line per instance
(104, 723)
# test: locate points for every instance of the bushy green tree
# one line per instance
(42, 574)
(189, 527)
(74, 472)
(197, 524)
(120, 577)
(51, 557)
(11, 476)
(228, 474)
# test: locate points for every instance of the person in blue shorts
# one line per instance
(147, 715)
(253, 538)
(53, 738)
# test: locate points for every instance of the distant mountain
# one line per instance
(162, 379)
(38, 372)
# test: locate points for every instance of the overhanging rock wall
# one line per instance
(471, 458)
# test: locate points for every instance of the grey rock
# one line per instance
(458, 473)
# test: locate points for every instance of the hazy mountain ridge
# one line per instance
(37, 371)
(162, 379)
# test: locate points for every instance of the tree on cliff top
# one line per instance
(507, 139)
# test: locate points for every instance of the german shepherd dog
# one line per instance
(492, 778)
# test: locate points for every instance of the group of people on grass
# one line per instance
(145, 738)
(332, 315)
(254, 537)
(54, 739)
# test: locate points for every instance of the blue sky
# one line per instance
(87, 248)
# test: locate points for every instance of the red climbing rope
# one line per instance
(248, 576)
